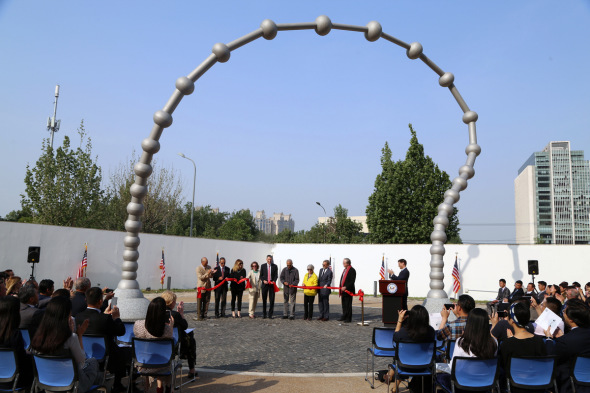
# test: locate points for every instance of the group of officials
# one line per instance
(263, 280)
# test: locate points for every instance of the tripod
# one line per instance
(32, 271)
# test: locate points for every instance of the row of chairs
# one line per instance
(55, 373)
(419, 360)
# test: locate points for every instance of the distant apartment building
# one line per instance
(275, 224)
(552, 197)
(358, 219)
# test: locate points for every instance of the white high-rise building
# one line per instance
(552, 197)
(275, 224)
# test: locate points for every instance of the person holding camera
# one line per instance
(453, 330)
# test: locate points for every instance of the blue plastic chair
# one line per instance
(125, 340)
(473, 374)
(414, 359)
(531, 373)
(156, 355)
(450, 349)
(95, 346)
(57, 374)
(580, 374)
(9, 372)
(26, 337)
(382, 346)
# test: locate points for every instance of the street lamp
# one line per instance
(326, 215)
(194, 182)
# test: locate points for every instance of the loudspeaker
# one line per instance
(533, 266)
(34, 254)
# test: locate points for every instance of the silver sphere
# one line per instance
(222, 52)
(133, 226)
(151, 146)
(462, 183)
(467, 170)
(163, 119)
(130, 255)
(269, 29)
(323, 25)
(440, 236)
(130, 266)
(138, 191)
(185, 85)
(469, 116)
(473, 148)
(441, 220)
(445, 208)
(446, 79)
(142, 170)
(131, 241)
(437, 276)
(454, 195)
(374, 31)
(128, 275)
(437, 249)
(415, 50)
(135, 209)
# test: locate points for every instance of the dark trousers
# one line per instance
(204, 303)
(188, 349)
(236, 294)
(308, 306)
(346, 307)
(268, 290)
(220, 297)
(324, 305)
(405, 302)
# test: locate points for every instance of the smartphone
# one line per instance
(449, 306)
(502, 314)
(109, 290)
(113, 302)
(169, 314)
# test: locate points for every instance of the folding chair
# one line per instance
(473, 374)
(9, 371)
(125, 340)
(580, 374)
(382, 346)
(450, 349)
(531, 373)
(414, 359)
(95, 346)
(151, 353)
(57, 374)
(26, 337)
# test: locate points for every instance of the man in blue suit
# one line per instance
(324, 280)
(404, 275)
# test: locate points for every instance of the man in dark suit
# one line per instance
(503, 293)
(268, 275)
(404, 275)
(46, 288)
(574, 343)
(107, 324)
(347, 284)
(79, 304)
(542, 292)
(30, 315)
(325, 280)
(517, 293)
(219, 274)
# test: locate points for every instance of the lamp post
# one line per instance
(326, 215)
(194, 182)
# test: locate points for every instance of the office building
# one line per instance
(552, 195)
(275, 224)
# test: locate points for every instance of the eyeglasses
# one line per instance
(311, 270)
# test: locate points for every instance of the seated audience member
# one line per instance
(562, 287)
(9, 273)
(46, 288)
(522, 342)
(108, 324)
(156, 324)
(542, 292)
(30, 315)
(58, 335)
(10, 337)
(555, 306)
(79, 304)
(518, 292)
(503, 293)
(61, 292)
(475, 342)
(188, 345)
(2, 287)
(453, 330)
(531, 291)
(501, 327)
(416, 327)
(13, 284)
(575, 342)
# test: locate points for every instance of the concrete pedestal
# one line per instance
(132, 304)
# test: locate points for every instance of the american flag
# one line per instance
(456, 277)
(163, 267)
(382, 270)
(217, 264)
(83, 263)
(330, 263)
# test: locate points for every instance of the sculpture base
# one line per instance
(132, 304)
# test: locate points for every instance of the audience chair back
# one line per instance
(9, 371)
(475, 374)
(56, 374)
(414, 359)
(153, 354)
(26, 337)
(382, 346)
(581, 372)
(531, 373)
(450, 349)
(95, 346)
(125, 340)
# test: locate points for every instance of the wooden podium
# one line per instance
(392, 292)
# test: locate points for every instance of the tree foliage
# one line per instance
(239, 226)
(406, 197)
(64, 186)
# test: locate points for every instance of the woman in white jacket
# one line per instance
(255, 283)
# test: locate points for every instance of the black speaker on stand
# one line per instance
(533, 268)
(33, 258)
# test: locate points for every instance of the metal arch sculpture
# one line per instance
(133, 302)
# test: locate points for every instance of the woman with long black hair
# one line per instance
(10, 337)
(57, 335)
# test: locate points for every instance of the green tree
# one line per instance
(64, 186)
(239, 226)
(339, 229)
(18, 216)
(406, 197)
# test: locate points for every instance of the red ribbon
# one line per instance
(360, 293)
(248, 285)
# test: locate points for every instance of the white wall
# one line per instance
(481, 265)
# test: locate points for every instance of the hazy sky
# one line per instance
(301, 118)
